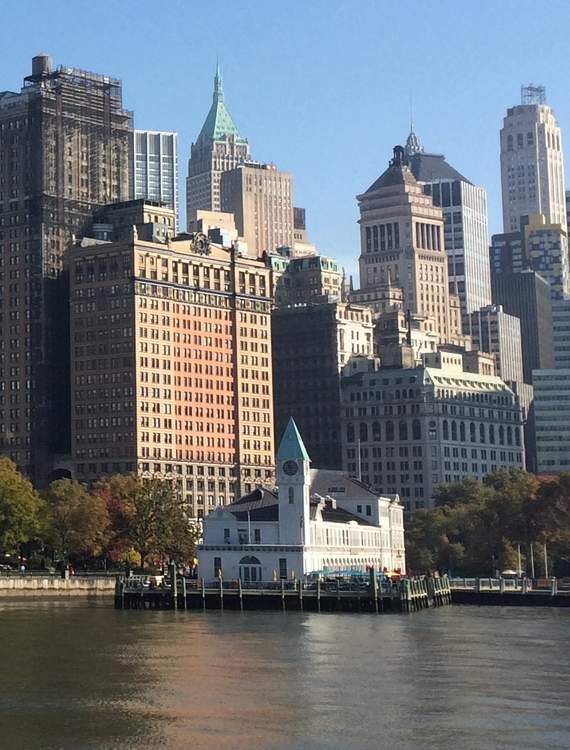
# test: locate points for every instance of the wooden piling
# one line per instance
(240, 595)
(283, 605)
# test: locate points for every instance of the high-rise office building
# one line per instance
(261, 200)
(402, 245)
(552, 418)
(466, 232)
(496, 332)
(155, 167)
(218, 148)
(532, 162)
(65, 143)
(546, 252)
(311, 345)
(561, 333)
(526, 295)
(171, 365)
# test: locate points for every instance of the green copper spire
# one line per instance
(291, 445)
(219, 123)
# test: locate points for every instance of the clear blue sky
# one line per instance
(319, 87)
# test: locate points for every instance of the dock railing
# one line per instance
(551, 586)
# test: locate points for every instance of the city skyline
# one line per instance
(274, 100)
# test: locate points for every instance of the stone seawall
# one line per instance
(43, 586)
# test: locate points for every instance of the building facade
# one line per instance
(408, 430)
(402, 245)
(155, 168)
(305, 279)
(218, 148)
(466, 232)
(546, 252)
(65, 142)
(171, 366)
(496, 332)
(316, 522)
(552, 418)
(526, 295)
(261, 199)
(311, 345)
(532, 162)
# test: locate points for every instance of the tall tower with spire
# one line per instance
(218, 148)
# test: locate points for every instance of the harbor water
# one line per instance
(78, 675)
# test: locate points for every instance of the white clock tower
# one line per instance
(293, 477)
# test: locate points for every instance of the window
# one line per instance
(257, 536)
(217, 567)
(283, 568)
(291, 495)
(389, 430)
(226, 536)
(368, 510)
(359, 508)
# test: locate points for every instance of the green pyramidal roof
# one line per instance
(291, 445)
(219, 122)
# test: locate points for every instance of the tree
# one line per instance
(148, 516)
(77, 521)
(20, 507)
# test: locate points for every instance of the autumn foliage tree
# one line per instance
(476, 528)
(77, 522)
(147, 517)
(20, 508)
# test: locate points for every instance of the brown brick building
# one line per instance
(171, 365)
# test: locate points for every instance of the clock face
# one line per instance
(290, 468)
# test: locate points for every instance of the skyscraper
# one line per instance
(218, 148)
(527, 296)
(261, 200)
(466, 232)
(65, 143)
(402, 245)
(155, 167)
(311, 345)
(532, 162)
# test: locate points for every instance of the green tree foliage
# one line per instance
(148, 517)
(476, 528)
(77, 522)
(20, 508)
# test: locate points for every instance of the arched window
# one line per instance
(363, 432)
(291, 495)
(416, 430)
(472, 432)
(509, 435)
(403, 430)
(501, 435)
(376, 434)
(389, 430)
(454, 430)
(492, 434)
(462, 431)
(350, 433)
(517, 436)
(249, 569)
(481, 433)
(445, 429)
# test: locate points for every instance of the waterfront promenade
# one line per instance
(538, 592)
(53, 585)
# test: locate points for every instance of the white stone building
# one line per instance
(532, 162)
(318, 520)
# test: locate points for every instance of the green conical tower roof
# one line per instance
(291, 445)
(219, 122)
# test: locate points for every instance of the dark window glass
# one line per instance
(456, 193)
(445, 196)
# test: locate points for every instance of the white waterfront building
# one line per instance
(317, 520)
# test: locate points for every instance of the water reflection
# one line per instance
(79, 675)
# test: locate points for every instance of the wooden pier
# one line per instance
(326, 595)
